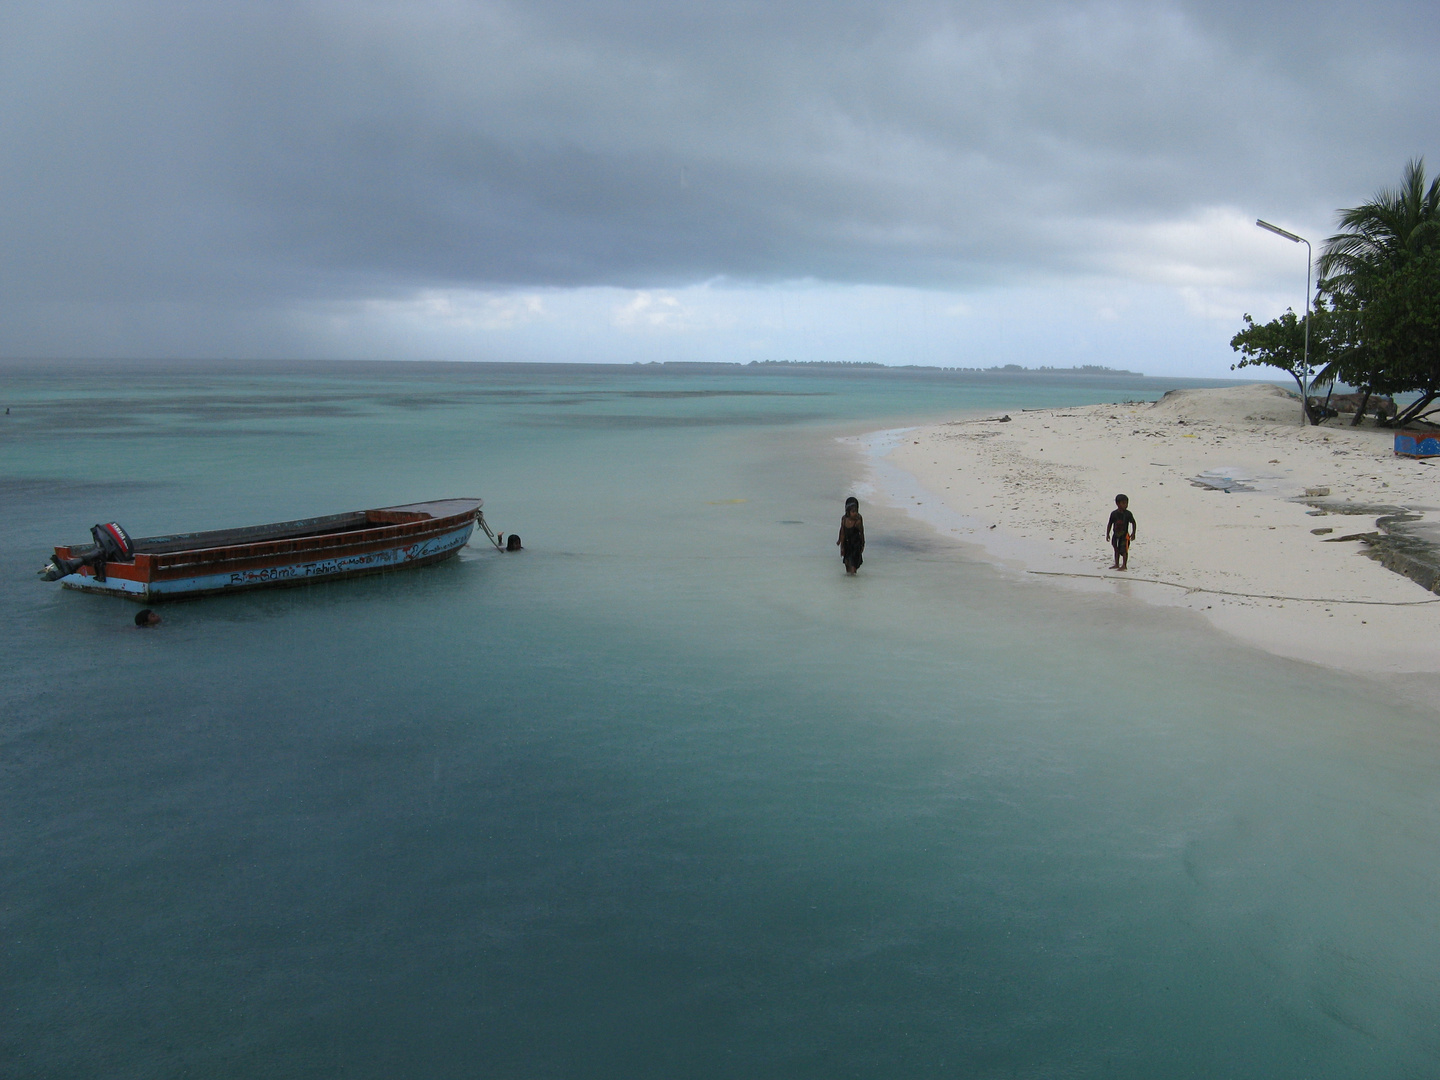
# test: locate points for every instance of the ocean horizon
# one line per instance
(666, 793)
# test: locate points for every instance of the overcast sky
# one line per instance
(909, 182)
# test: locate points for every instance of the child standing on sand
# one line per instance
(1120, 530)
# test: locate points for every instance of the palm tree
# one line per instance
(1376, 241)
(1375, 236)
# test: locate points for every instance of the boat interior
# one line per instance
(255, 534)
(329, 525)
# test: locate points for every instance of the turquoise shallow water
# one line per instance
(666, 794)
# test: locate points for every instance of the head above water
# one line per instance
(513, 544)
(852, 503)
(1122, 501)
(147, 617)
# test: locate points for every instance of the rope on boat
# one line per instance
(480, 520)
(1227, 592)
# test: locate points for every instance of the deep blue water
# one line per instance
(666, 794)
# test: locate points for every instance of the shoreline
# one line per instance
(1242, 515)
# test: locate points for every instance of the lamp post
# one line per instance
(1309, 259)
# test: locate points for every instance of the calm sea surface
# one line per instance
(665, 795)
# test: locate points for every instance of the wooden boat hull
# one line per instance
(286, 553)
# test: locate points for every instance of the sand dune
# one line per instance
(1036, 492)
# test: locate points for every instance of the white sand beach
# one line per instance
(1036, 492)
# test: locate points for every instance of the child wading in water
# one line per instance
(852, 535)
(1120, 530)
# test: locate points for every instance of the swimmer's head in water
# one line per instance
(1122, 501)
(147, 618)
(513, 544)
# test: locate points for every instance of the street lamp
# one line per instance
(1309, 258)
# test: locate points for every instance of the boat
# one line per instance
(154, 568)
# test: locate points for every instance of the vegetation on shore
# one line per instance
(1375, 320)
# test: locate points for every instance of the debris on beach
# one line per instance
(1226, 480)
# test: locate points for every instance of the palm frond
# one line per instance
(1396, 221)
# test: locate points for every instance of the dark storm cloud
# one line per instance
(223, 157)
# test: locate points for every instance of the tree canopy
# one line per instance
(1280, 343)
(1400, 322)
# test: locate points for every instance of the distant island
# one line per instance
(871, 365)
(1009, 369)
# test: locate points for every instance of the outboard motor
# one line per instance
(114, 541)
(111, 543)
